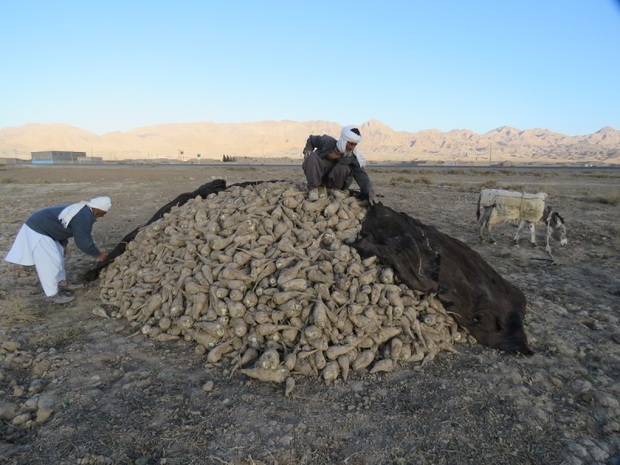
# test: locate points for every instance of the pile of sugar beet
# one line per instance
(270, 284)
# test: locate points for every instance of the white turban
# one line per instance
(101, 203)
(348, 135)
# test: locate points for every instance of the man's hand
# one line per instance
(102, 256)
(372, 198)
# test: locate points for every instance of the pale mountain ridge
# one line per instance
(276, 139)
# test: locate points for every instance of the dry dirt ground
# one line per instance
(77, 388)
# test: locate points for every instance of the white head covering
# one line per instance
(348, 135)
(101, 203)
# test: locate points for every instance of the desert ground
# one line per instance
(79, 388)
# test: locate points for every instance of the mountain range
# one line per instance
(268, 140)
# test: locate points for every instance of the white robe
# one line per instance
(46, 254)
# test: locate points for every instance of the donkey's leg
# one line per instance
(519, 229)
(533, 234)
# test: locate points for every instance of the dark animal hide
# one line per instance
(491, 308)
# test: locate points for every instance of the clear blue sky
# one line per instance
(414, 65)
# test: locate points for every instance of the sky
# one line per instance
(117, 65)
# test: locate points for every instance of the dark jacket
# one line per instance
(80, 227)
(324, 145)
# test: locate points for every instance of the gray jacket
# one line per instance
(324, 145)
(80, 227)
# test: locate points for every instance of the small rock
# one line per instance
(44, 414)
(208, 386)
(20, 419)
(36, 385)
(515, 377)
(32, 403)
(11, 346)
(587, 397)
(7, 410)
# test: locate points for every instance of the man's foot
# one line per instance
(313, 195)
(61, 298)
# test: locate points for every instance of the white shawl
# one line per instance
(101, 203)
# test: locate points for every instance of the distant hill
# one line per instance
(276, 139)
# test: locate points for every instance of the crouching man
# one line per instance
(42, 242)
(335, 163)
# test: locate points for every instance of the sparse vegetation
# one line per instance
(423, 180)
(490, 184)
(398, 180)
(18, 311)
(59, 337)
(522, 188)
(609, 199)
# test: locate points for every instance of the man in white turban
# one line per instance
(335, 163)
(43, 238)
